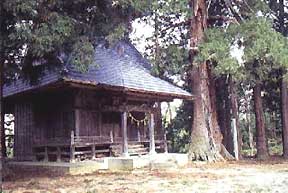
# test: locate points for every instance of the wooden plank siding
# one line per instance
(24, 131)
(40, 118)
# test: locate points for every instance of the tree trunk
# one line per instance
(284, 90)
(2, 127)
(262, 152)
(221, 108)
(248, 122)
(224, 112)
(217, 135)
(284, 98)
(2, 137)
(203, 146)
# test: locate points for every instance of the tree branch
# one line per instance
(223, 18)
(179, 24)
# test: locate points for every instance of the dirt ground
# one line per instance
(244, 176)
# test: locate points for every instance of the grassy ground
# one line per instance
(243, 176)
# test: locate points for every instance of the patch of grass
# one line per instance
(187, 182)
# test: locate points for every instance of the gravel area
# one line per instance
(244, 176)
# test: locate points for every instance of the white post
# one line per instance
(111, 136)
(151, 134)
(124, 134)
(235, 139)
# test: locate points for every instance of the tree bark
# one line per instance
(248, 121)
(262, 152)
(284, 98)
(217, 135)
(1, 92)
(203, 146)
(224, 112)
(2, 127)
(284, 84)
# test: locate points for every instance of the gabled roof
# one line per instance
(120, 66)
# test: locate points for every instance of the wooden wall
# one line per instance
(39, 118)
(24, 131)
(92, 121)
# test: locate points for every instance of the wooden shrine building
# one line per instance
(109, 110)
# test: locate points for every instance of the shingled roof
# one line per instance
(120, 66)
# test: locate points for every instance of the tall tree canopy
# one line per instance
(245, 26)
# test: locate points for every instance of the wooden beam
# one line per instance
(124, 133)
(129, 108)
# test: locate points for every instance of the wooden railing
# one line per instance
(62, 141)
(77, 146)
(92, 139)
(57, 141)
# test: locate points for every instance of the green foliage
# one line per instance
(50, 36)
(179, 130)
(43, 29)
(17, 7)
(264, 49)
(117, 34)
(262, 42)
(141, 5)
(275, 146)
(217, 47)
(82, 54)
(173, 60)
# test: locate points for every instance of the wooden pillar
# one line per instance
(124, 133)
(72, 148)
(151, 134)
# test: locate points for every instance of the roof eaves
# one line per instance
(187, 96)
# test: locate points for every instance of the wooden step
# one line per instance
(138, 149)
(135, 146)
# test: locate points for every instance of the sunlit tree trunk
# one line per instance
(203, 146)
(262, 152)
